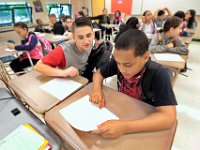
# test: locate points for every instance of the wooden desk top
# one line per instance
(124, 107)
(3, 52)
(27, 87)
(186, 40)
(171, 64)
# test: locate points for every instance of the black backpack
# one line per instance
(98, 57)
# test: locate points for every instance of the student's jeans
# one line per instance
(19, 64)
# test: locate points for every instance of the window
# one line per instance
(11, 13)
(59, 9)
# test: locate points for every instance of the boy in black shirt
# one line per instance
(57, 25)
(132, 65)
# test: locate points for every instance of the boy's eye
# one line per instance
(128, 66)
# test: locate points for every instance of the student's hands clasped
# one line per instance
(70, 72)
(98, 98)
(111, 129)
(170, 45)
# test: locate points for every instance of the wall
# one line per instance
(97, 7)
(78, 4)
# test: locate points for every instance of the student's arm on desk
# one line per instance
(154, 46)
(97, 96)
(54, 71)
(164, 117)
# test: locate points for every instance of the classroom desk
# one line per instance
(124, 107)
(186, 40)
(27, 87)
(175, 66)
(55, 39)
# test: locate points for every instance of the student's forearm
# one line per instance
(48, 70)
(153, 122)
(97, 81)
(179, 50)
(158, 49)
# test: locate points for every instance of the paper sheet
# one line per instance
(58, 36)
(22, 138)
(168, 57)
(9, 50)
(86, 116)
(60, 87)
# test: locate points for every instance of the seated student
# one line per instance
(117, 17)
(132, 65)
(57, 25)
(168, 39)
(181, 15)
(68, 26)
(30, 43)
(62, 19)
(160, 17)
(148, 26)
(132, 23)
(40, 27)
(190, 19)
(69, 58)
(104, 19)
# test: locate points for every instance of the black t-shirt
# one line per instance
(58, 28)
(160, 85)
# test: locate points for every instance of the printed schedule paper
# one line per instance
(168, 57)
(60, 87)
(86, 116)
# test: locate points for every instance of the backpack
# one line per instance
(98, 57)
(46, 46)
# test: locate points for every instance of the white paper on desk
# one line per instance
(60, 87)
(9, 50)
(22, 138)
(58, 36)
(168, 57)
(86, 116)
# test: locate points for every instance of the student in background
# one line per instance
(69, 58)
(148, 26)
(40, 27)
(131, 64)
(117, 17)
(181, 15)
(160, 17)
(103, 19)
(132, 23)
(62, 19)
(56, 25)
(168, 39)
(68, 26)
(190, 19)
(30, 43)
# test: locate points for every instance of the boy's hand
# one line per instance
(170, 45)
(111, 129)
(70, 72)
(11, 46)
(98, 98)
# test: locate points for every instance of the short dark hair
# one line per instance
(21, 25)
(180, 14)
(144, 13)
(133, 39)
(81, 22)
(68, 17)
(161, 12)
(171, 22)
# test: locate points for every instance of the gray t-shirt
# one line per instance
(74, 57)
(160, 23)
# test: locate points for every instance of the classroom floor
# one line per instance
(187, 91)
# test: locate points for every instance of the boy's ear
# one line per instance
(146, 56)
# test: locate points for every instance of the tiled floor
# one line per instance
(187, 90)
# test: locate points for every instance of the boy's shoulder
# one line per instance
(68, 45)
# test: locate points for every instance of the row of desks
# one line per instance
(120, 104)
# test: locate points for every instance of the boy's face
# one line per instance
(83, 36)
(68, 23)
(128, 64)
